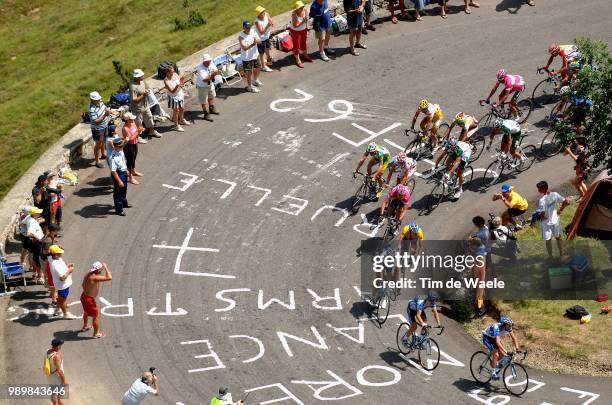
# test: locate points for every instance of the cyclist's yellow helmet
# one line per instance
(423, 104)
(460, 118)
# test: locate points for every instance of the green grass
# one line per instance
(54, 53)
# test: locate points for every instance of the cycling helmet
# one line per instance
(371, 147)
(403, 191)
(433, 296)
(413, 227)
(501, 73)
(401, 158)
(574, 65)
(554, 48)
(460, 118)
(498, 123)
(452, 141)
(505, 320)
(564, 90)
(423, 104)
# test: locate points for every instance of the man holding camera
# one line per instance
(147, 384)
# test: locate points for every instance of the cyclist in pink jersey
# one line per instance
(398, 202)
(512, 84)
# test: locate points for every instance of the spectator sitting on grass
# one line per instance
(250, 57)
(322, 25)
(99, 115)
(139, 104)
(176, 98)
(205, 74)
(263, 25)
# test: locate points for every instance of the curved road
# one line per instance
(240, 205)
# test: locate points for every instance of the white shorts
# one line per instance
(206, 93)
(548, 231)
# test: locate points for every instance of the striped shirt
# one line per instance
(95, 113)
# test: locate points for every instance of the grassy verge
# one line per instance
(556, 343)
(54, 53)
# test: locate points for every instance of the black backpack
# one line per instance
(576, 312)
(161, 69)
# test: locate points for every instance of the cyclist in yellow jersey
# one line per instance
(413, 232)
(431, 122)
(516, 204)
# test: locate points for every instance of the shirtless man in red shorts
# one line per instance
(91, 288)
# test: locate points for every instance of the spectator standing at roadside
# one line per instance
(147, 384)
(55, 197)
(35, 235)
(49, 240)
(91, 287)
(322, 25)
(298, 29)
(419, 8)
(119, 175)
(354, 18)
(263, 25)
(481, 249)
(26, 255)
(57, 376)
(367, 25)
(250, 56)
(42, 198)
(62, 280)
(130, 133)
(550, 222)
(469, 3)
(205, 74)
(579, 153)
(139, 104)
(99, 115)
(392, 9)
(176, 98)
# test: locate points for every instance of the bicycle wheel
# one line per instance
(383, 303)
(480, 367)
(492, 174)
(544, 93)
(529, 152)
(429, 354)
(524, 108)
(402, 331)
(358, 198)
(516, 379)
(411, 183)
(388, 235)
(435, 197)
(477, 144)
(468, 176)
(416, 149)
(550, 145)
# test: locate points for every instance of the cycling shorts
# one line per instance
(436, 119)
(412, 316)
(384, 163)
(489, 342)
(517, 94)
(514, 138)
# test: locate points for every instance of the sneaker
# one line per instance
(494, 376)
(179, 128)
(70, 315)
(252, 89)
(156, 134)
(142, 140)
(266, 69)
(457, 195)
(185, 122)
(324, 57)
(257, 83)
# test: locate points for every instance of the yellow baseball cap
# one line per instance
(35, 210)
(55, 250)
(259, 10)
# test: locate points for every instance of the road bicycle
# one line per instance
(392, 229)
(446, 187)
(422, 146)
(367, 190)
(507, 162)
(382, 303)
(428, 349)
(514, 376)
(523, 109)
(547, 90)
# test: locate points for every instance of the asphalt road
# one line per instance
(249, 190)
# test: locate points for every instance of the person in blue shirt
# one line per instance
(491, 338)
(322, 25)
(416, 313)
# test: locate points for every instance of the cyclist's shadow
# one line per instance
(506, 5)
(466, 385)
(400, 361)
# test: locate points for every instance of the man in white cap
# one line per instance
(91, 287)
(205, 74)
(139, 105)
(99, 115)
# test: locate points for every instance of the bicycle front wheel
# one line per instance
(358, 198)
(523, 108)
(435, 197)
(529, 153)
(383, 303)
(468, 176)
(492, 174)
(516, 379)
(477, 144)
(550, 145)
(417, 149)
(411, 183)
(403, 338)
(429, 354)
(480, 367)
(544, 93)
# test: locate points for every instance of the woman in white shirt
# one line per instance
(298, 29)
(264, 24)
(176, 98)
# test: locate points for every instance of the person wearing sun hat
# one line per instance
(249, 55)
(99, 115)
(34, 235)
(205, 75)
(263, 26)
(130, 133)
(139, 104)
(91, 288)
(62, 280)
(298, 29)
(516, 204)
